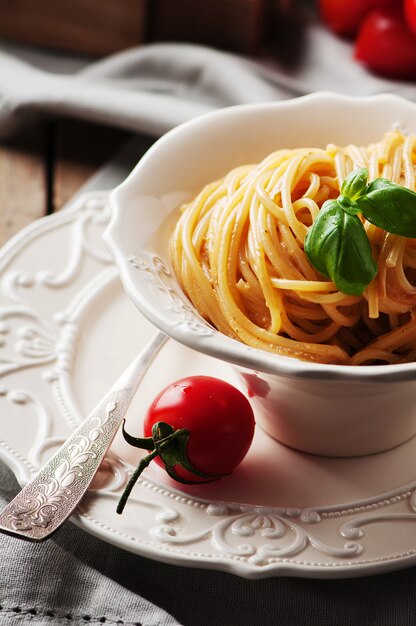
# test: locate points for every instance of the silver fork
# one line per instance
(53, 494)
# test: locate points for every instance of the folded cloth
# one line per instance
(149, 89)
(67, 580)
(153, 88)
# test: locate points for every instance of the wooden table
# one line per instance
(44, 165)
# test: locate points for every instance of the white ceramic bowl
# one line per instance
(322, 409)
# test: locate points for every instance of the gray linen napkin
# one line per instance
(67, 580)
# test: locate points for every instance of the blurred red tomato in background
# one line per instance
(345, 16)
(386, 45)
(384, 33)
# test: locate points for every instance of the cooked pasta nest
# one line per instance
(238, 253)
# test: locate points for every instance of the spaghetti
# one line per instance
(238, 252)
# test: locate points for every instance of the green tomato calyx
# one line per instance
(171, 446)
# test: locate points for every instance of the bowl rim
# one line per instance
(219, 345)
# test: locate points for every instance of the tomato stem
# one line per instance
(170, 445)
(158, 448)
(145, 462)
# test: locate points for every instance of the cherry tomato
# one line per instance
(386, 45)
(410, 14)
(345, 16)
(218, 416)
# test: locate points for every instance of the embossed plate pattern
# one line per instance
(67, 331)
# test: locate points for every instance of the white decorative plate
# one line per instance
(67, 330)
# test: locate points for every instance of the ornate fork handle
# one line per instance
(52, 495)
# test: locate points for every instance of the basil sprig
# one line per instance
(338, 247)
(337, 244)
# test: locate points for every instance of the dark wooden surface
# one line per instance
(89, 26)
(105, 26)
(44, 165)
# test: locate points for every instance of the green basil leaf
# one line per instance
(338, 247)
(355, 184)
(319, 239)
(389, 206)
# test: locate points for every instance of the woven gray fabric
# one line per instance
(67, 579)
